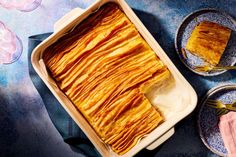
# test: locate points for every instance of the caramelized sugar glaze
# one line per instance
(208, 41)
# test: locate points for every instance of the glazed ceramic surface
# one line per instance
(208, 119)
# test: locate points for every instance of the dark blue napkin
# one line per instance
(68, 129)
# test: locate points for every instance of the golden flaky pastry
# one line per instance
(104, 66)
(208, 41)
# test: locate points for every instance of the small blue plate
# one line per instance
(185, 29)
(208, 120)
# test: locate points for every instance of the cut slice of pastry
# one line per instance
(208, 41)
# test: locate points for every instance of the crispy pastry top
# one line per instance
(208, 41)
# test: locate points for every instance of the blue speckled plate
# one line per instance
(185, 29)
(208, 120)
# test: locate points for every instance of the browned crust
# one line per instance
(208, 41)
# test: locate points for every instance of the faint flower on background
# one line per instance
(10, 45)
(22, 5)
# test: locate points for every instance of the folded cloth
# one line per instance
(68, 129)
(227, 127)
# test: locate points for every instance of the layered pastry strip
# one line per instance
(208, 41)
(104, 66)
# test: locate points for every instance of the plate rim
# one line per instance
(177, 34)
(202, 103)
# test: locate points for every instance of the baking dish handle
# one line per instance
(161, 139)
(73, 14)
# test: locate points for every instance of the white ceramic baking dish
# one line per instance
(175, 102)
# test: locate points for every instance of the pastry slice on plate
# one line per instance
(208, 41)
